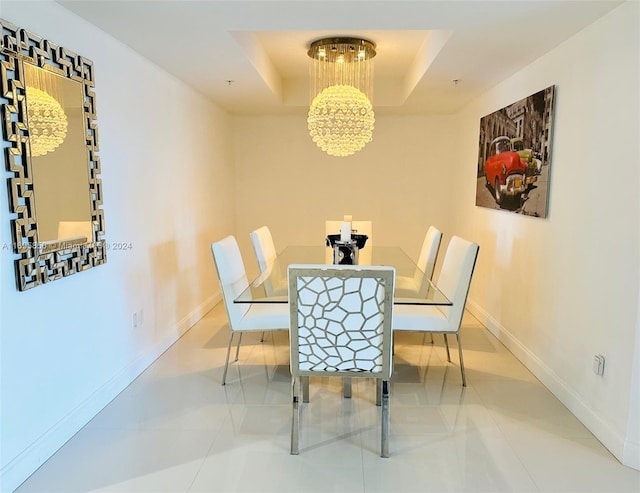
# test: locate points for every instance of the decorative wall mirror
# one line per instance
(50, 142)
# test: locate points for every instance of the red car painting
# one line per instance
(505, 171)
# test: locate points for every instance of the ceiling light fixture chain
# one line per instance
(341, 117)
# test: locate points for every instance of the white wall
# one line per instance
(560, 290)
(68, 347)
(399, 181)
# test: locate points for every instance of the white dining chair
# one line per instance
(265, 252)
(263, 247)
(243, 317)
(426, 263)
(426, 260)
(341, 323)
(429, 252)
(454, 281)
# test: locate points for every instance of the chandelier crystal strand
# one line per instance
(47, 119)
(341, 117)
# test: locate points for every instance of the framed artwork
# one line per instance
(514, 156)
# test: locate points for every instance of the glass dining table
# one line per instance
(412, 287)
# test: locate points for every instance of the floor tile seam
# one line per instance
(575, 438)
(155, 429)
(495, 413)
(510, 446)
(513, 441)
(522, 461)
(362, 465)
(216, 437)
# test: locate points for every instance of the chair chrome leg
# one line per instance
(226, 361)
(378, 391)
(262, 337)
(295, 418)
(346, 387)
(238, 347)
(446, 343)
(431, 337)
(305, 389)
(385, 419)
(464, 379)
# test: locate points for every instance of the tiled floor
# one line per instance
(176, 429)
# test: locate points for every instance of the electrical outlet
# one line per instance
(137, 319)
(598, 364)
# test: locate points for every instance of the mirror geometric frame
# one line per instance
(36, 264)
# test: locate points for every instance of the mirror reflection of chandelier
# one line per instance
(341, 117)
(47, 119)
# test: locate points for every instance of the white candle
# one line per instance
(345, 231)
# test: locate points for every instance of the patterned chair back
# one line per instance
(341, 320)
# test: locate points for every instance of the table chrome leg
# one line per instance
(385, 419)
(305, 389)
(295, 418)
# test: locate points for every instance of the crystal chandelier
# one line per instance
(46, 117)
(47, 122)
(341, 117)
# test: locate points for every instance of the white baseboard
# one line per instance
(14, 473)
(631, 454)
(609, 437)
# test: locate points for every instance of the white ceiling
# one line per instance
(422, 46)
